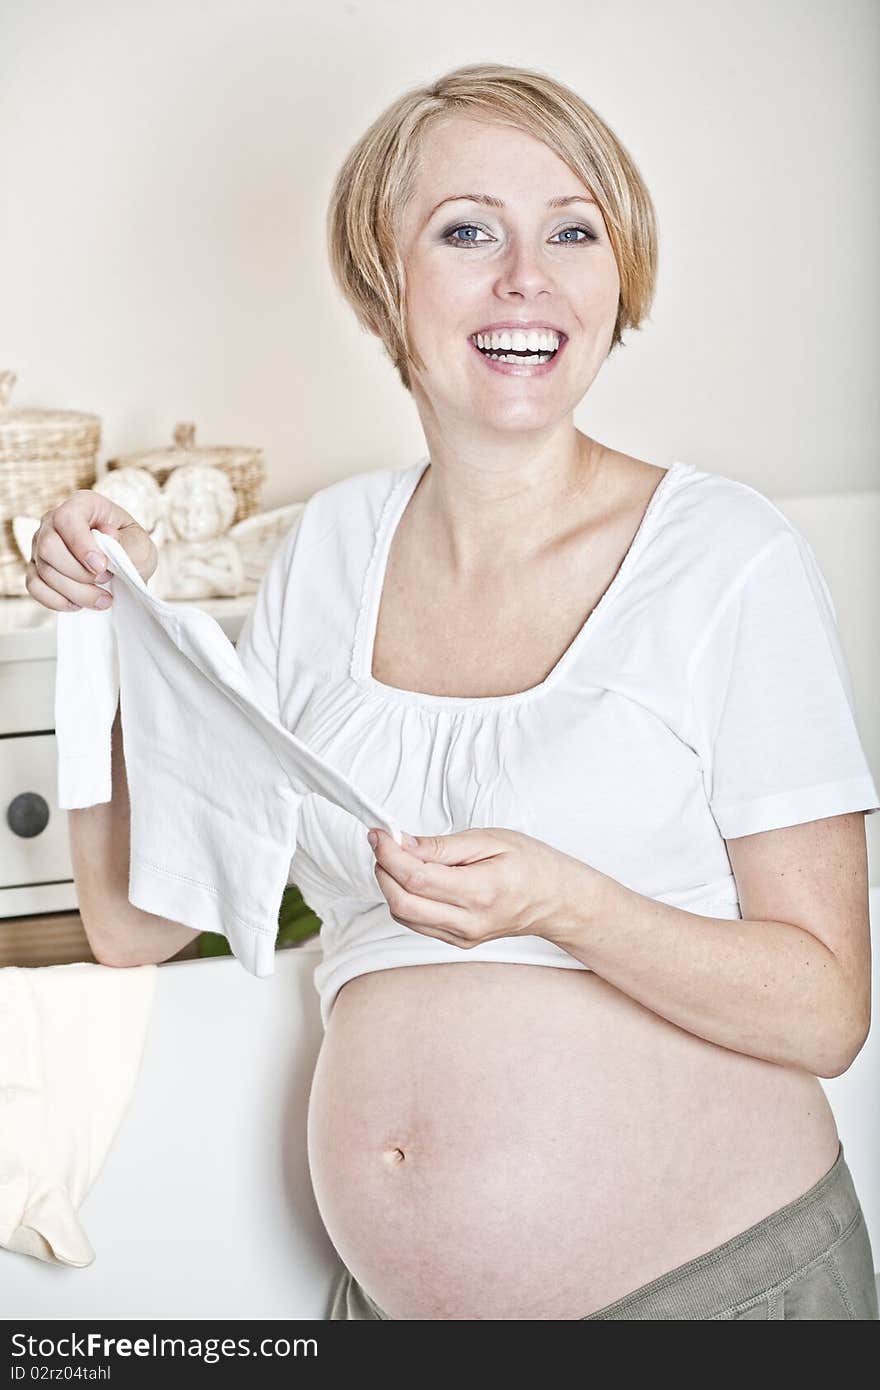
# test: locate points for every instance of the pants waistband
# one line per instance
(774, 1250)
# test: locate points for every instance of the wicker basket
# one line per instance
(45, 455)
(243, 466)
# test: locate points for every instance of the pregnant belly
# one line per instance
(521, 1142)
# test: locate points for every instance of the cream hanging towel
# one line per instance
(71, 1042)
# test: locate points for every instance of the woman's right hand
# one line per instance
(59, 574)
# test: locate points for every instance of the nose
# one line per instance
(524, 272)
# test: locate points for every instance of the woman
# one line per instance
(607, 700)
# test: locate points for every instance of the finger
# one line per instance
(42, 575)
(52, 553)
(438, 882)
(45, 595)
(444, 921)
(463, 847)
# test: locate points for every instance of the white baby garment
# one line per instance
(71, 1043)
(215, 781)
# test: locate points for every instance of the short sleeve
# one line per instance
(772, 715)
(260, 633)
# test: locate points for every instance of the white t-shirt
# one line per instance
(706, 697)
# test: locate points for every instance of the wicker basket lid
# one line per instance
(28, 422)
(185, 450)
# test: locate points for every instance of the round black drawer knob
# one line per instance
(28, 815)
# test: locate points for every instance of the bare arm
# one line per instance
(790, 983)
(118, 932)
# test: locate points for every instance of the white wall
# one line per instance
(165, 174)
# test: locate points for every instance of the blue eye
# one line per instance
(453, 240)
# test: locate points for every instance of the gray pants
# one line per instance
(810, 1259)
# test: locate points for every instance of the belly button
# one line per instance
(393, 1156)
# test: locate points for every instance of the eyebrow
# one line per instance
(491, 202)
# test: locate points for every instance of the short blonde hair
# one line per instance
(377, 180)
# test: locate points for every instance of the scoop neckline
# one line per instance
(374, 583)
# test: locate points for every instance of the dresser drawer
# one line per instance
(34, 844)
(27, 695)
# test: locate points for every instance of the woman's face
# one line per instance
(470, 266)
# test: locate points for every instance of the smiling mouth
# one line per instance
(520, 362)
(522, 356)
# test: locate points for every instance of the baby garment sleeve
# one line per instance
(260, 633)
(772, 715)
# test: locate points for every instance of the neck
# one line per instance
(480, 513)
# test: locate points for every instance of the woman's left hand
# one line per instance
(476, 885)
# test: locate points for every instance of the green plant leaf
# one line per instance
(296, 922)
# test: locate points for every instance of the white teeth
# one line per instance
(520, 358)
(518, 340)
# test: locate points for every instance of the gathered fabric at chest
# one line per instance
(593, 761)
